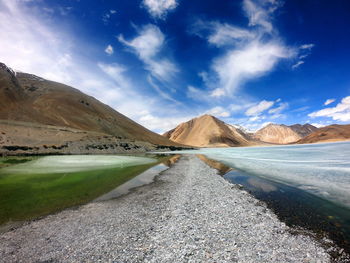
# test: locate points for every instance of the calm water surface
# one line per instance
(306, 185)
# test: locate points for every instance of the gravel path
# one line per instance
(188, 215)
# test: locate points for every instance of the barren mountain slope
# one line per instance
(303, 130)
(330, 133)
(28, 98)
(208, 131)
(278, 134)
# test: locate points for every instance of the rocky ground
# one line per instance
(21, 138)
(190, 214)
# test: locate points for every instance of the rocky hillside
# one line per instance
(26, 98)
(277, 134)
(331, 133)
(208, 131)
(303, 130)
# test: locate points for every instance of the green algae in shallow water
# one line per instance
(41, 186)
(76, 163)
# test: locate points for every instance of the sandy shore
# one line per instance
(189, 214)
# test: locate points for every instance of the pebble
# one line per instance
(189, 214)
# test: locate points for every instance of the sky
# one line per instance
(163, 62)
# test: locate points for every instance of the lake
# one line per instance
(306, 185)
(31, 187)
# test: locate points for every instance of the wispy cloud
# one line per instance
(298, 64)
(303, 52)
(257, 109)
(329, 101)
(116, 72)
(341, 112)
(250, 61)
(218, 111)
(281, 107)
(56, 59)
(221, 34)
(260, 12)
(249, 52)
(109, 50)
(159, 8)
(148, 46)
(107, 16)
(196, 94)
(307, 46)
(162, 124)
(160, 91)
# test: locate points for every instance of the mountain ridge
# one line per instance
(31, 99)
(208, 131)
(331, 133)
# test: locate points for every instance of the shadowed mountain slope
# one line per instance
(303, 130)
(331, 133)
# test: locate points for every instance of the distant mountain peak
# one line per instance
(208, 131)
(303, 129)
(277, 133)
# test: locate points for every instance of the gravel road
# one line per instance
(190, 214)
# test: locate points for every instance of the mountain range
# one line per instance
(38, 116)
(208, 131)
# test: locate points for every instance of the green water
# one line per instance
(35, 186)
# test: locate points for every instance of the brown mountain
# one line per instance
(31, 99)
(303, 130)
(278, 134)
(208, 131)
(329, 133)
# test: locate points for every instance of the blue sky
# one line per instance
(162, 62)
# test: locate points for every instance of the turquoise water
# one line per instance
(319, 169)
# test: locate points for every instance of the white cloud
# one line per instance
(255, 118)
(240, 107)
(280, 108)
(329, 101)
(196, 94)
(307, 46)
(248, 52)
(147, 46)
(304, 51)
(148, 43)
(250, 61)
(19, 35)
(115, 71)
(221, 34)
(319, 124)
(218, 112)
(341, 112)
(106, 17)
(55, 58)
(159, 8)
(257, 109)
(259, 12)
(109, 50)
(161, 124)
(160, 91)
(298, 64)
(225, 34)
(218, 92)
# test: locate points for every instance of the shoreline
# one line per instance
(188, 213)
